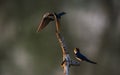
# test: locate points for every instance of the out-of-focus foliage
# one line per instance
(91, 25)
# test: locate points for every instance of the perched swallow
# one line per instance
(47, 18)
(81, 57)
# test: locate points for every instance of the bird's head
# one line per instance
(76, 50)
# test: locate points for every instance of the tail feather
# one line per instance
(60, 14)
(91, 61)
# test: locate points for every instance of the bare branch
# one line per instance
(62, 43)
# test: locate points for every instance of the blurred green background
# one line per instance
(91, 25)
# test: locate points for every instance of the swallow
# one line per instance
(47, 18)
(81, 57)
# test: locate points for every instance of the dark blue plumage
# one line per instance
(81, 57)
(60, 14)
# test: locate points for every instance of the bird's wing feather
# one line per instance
(44, 22)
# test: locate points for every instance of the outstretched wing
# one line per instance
(47, 18)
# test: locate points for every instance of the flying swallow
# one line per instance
(47, 18)
(81, 57)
